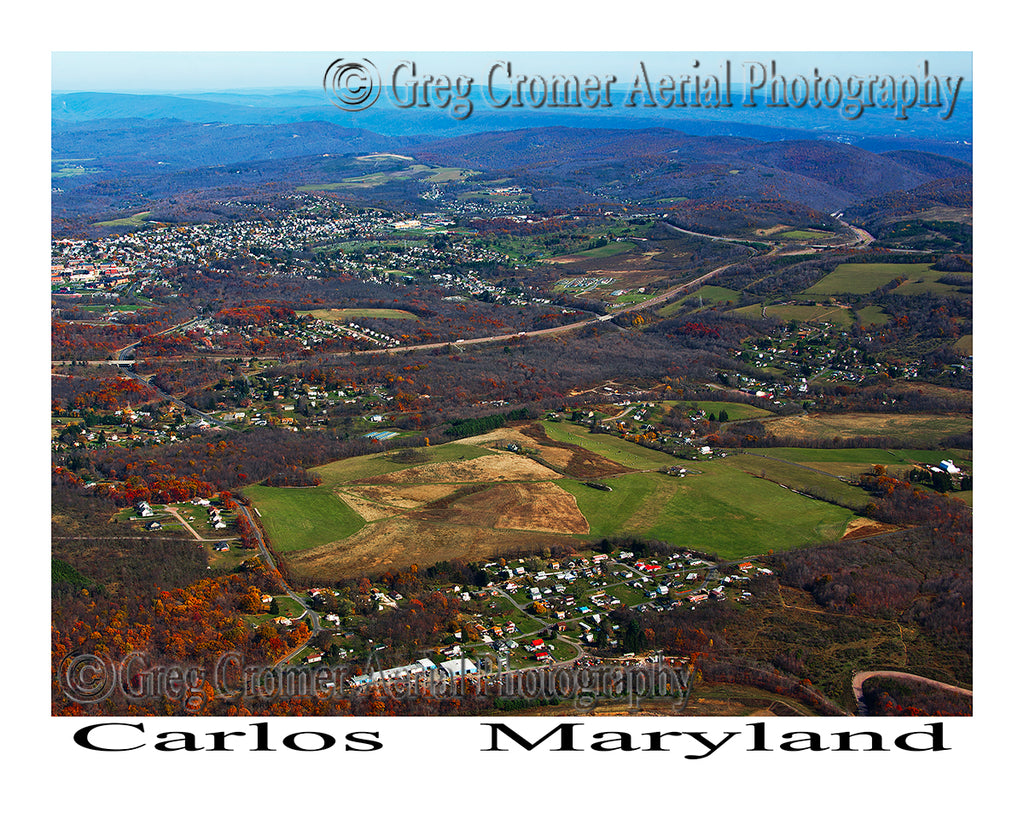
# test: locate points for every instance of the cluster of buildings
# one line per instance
(422, 669)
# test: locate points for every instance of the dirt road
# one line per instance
(861, 676)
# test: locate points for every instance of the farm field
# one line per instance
(872, 314)
(736, 412)
(709, 294)
(919, 430)
(722, 509)
(603, 252)
(475, 499)
(840, 316)
(796, 475)
(928, 282)
(804, 233)
(863, 457)
(299, 517)
(615, 449)
(965, 345)
(863, 278)
(424, 173)
(134, 220)
(454, 501)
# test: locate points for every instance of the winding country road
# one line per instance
(861, 676)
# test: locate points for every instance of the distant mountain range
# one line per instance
(113, 152)
(876, 130)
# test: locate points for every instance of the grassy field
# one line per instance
(117, 308)
(302, 517)
(797, 476)
(631, 298)
(920, 431)
(130, 221)
(66, 170)
(927, 281)
(709, 294)
(449, 175)
(736, 412)
(722, 510)
(615, 449)
(348, 313)
(805, 234)
(872, 314)
(610, 249)
(424, 173)
(840, 316)
(863, 278)
(965, 345)
(460, 500)
(851, 462)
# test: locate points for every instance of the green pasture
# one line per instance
(615, 449)
(864, 277)
(720, 509)
(302, 517)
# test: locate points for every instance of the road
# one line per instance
(861, 238)
(119, 354)
(314, 618)
(186, 409)
(861, 676)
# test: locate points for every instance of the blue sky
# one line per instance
(185, 72)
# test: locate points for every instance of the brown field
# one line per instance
(502, 466)
(367, 510)
(941, 214)
(539, 507)
(574, 460)
(771, 230)
(404, 496)
(400, 542)
(921, 429)
(498, 504)
(859, 528)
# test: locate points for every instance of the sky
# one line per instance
(191, 72)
